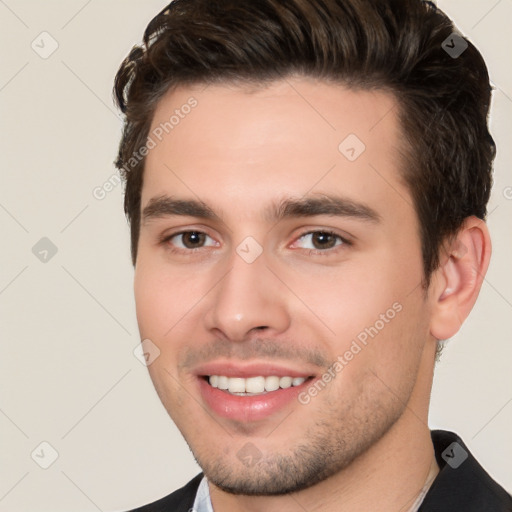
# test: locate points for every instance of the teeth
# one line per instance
(236, 385)
(285, 382)
(222, 382)
(271, 383)
(253, 385)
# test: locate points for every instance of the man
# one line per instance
(306, 183)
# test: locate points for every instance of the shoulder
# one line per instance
(180, 500)
(462, 483)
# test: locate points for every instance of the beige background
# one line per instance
(68, 327)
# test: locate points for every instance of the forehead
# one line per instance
(288, 138)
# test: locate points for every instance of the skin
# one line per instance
(364, 439)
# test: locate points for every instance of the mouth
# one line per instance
(249, 393)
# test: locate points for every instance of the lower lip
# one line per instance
(248, 408)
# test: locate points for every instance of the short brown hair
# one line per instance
(394, 45)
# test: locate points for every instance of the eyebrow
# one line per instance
(324, 205)
(164, 206)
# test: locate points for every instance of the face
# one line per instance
(278, 274)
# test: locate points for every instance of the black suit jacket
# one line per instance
(457, 488)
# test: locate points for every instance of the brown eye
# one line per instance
(189, 240)
(320, 241)
(193, 239)
(323, 240)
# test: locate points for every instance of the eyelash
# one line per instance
(164, 240)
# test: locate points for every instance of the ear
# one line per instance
(456, 283)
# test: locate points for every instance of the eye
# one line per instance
(190, 240)
(321, 241)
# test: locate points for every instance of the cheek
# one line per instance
(150, 298)
(161, 298)
(371, 311)
(384, 366)
(350, 298)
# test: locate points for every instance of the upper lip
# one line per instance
(246, 370)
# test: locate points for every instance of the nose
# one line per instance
(248, 299)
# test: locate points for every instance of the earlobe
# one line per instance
(457, 282)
